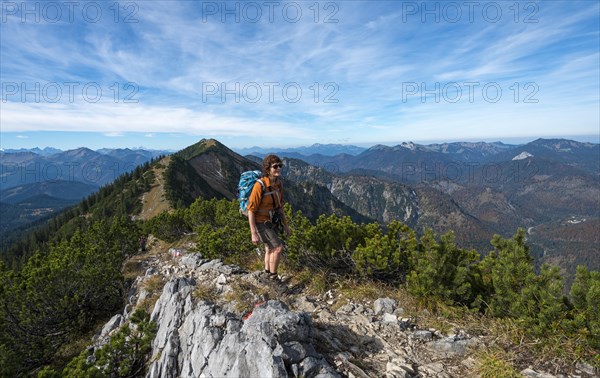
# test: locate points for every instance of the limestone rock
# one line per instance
(586, 368)
(530, 373)
(384, 306)
(104, 335)
(202, 339)
(423, 335)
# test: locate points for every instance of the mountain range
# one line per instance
(317, 148)
(37, 183)
(550, 187)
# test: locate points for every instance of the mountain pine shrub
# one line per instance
(386, 256)
(585, 297)
(63, 292)
(443, 270)
(125, 355)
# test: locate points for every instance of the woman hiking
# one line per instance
(266, 215)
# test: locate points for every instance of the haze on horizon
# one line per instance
(591, 139)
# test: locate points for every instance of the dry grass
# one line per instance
(205, 292)
(154, 202)
(249, 260)
(315, 283)
(495, 364)
(358, 291)
(153, 285)
(245, 295)
(447, 319)
(133, 268)
(555, 353)
(362, 290)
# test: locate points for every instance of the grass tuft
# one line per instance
(205, 292)
(244, 295)
(153, 285)
(495, 364)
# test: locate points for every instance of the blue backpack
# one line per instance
(247, 181)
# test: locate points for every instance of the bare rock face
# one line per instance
(203, 339)
(202, 331)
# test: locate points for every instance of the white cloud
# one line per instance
(369, 54)
(116, 119)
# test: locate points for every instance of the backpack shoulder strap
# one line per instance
(262, 184)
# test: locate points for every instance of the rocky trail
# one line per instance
(217, 320)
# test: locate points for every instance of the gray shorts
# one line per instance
(268, 235)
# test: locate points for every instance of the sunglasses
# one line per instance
(277, 166)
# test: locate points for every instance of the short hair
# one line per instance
(267, 162)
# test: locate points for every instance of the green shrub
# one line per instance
(443, 270)
(125, 355)
(386, 256)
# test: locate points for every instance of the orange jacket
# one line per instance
(262, 203)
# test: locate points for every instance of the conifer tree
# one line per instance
(508, 269)
(585, 296)
(443, 270)
(386, 256)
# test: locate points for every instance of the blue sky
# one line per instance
(164, 74)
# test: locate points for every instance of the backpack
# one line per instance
(245, 186)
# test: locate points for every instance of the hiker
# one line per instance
(142, 242)
(266, 215)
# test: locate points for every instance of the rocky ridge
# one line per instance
(207, 329)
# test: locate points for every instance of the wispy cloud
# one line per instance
(353, 74)
(114, 120)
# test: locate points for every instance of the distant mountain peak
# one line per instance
(522, 156)
(557, 144)
(380, 147)
(409, 145)
(210, 142)
(80, 149)
(80, 152)
(36, 150)
(203, 146)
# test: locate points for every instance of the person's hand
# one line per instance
(255, 238)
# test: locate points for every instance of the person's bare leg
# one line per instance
(275, 256)
(267, 258)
